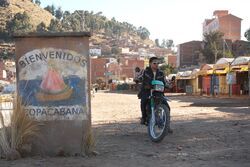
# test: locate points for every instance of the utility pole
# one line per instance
(230, 77)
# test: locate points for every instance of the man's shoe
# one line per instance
(170, 131)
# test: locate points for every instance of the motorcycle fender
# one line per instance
(165, 102)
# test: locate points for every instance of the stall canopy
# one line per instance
(222, 65)
(240, 64)
(195, 73)
(224, 61)
(184, 75)
(206, 69)
(241, 61)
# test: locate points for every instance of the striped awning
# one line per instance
(240, 68)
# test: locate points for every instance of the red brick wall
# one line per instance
(128, 66)
(172, 60)
(231, 27)
(228, 24)
(97, 68)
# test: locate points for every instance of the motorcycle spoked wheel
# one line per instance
(158, 130)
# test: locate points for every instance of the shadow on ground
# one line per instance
(202, 101)
(194, 141)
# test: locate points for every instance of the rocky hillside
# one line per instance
(109, 35)
(36, 13)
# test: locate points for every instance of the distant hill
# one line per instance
(108, 34)
(35, 12)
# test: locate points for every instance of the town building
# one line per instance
(188, 54)
(160, 52)
(224, 22)
(98, 69)
(128, 66)
(107, 69)
(170, 59)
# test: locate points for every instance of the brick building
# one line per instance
(171, 60)
(188, 53)
(98, 68)
(128, 66)
(108, 68)
(224, 22)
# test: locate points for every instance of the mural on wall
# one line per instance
(53, 84)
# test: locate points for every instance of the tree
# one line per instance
(213, 46)
(66, 21)
(161, 60)
(157, 42)
(50, 9)
(167, 69)
(55, 26)
(4, 34)
(38, 2)
(59, 13)
(247, 34)
(19, 24)
(143, 32)
(41, 27)
(53, 9)
(4, 3)
(228, 54)
(169, 43)
(79, 18)
(115, 50)
(163, 43)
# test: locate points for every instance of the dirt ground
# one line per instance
(207, 132)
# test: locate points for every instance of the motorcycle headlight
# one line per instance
(159, 88)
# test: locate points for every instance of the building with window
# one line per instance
(224, 22)
(188, 54)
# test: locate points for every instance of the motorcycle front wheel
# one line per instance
(158, 128)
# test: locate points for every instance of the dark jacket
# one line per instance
(148, 76)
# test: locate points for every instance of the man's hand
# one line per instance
(147, 86)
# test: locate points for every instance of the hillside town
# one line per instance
(194, 71)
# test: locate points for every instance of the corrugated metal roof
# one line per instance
(241, 60)
(224, 60)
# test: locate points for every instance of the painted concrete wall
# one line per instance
(53, 81)
(194, 83)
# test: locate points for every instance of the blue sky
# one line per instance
(180, 20)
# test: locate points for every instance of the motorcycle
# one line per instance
(158, 112)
